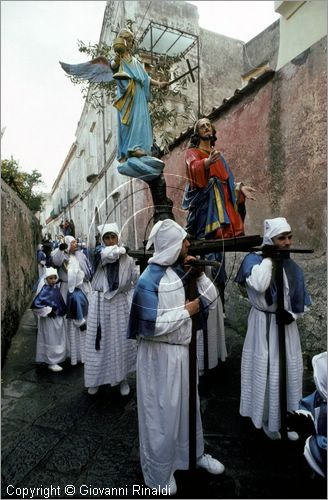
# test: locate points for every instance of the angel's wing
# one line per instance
(97, 71)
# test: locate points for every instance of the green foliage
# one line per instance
(97, 94)
(23, 183)
(161, 115)
(94, 93)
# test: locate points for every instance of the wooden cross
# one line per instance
(189, 72)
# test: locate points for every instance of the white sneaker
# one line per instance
(93, 390)
(209, 463)
(55, 368)
(124, 388)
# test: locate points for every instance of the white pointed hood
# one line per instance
(109, 228)
(167, 237)
(273, 227)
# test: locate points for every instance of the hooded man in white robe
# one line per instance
(110, 356)
(260, 357)
(77, 312)
(161, 319)
(74, 270)
(68, 256)
(49, 307)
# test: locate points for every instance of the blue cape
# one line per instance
(40, 255)
(298, 294)
(318, 441)
(50, 296)
(145, 301)
(77, 304)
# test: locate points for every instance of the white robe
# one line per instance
(75, 345)
(51, 338)
(116, 357)
(216, 345)
(62, 260)
(163, 385)
(260, 355)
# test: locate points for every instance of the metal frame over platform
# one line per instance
(159, 40)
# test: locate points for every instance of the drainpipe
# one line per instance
(104, 150)
(69, 195)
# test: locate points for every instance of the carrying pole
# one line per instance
(278, 256)
(278, 264)
(192, 380)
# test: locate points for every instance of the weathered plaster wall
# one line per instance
(221, 63)
(20, 233)
(275, 140)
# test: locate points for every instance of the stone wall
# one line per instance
(20, 234)
(262, 49)
(221, 65)
(274, 138)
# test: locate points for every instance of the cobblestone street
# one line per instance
(54, 435)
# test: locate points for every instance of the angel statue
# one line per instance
(135, 136)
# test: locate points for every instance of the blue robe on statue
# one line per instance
(134, 125)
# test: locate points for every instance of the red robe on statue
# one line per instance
(225, 196)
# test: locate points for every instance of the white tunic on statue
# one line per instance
(51, 338)
(163, 384)
(260, 355)
(116, 357)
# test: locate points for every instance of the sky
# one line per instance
(40, 107)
